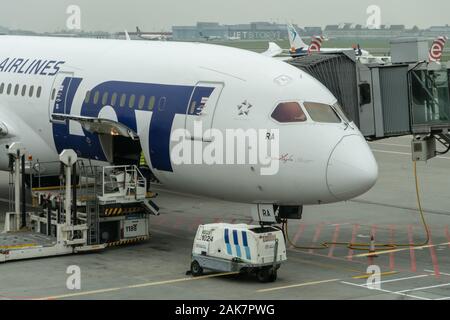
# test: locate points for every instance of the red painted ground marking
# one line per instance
(350, 251)
(335, 239)
(412, 252)
(161, 221)
(391, 255)
(298, 234)
(196, 223)
(434, 258)
(177, 223)
(316, 235)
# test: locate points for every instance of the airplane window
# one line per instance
(114, 99)
(320, 112)
(162, 103)
(88, 97)
(141, 102)
(123, 99)
(8, 90)
(16, 89)
(105, 98)
(38, 92)
(24, 90)
(53, 94)
(30, 94)
(2, 87)
(96, 97)
(132, 100)
(151, 103)
(289, 112)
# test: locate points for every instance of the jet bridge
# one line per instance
(407, 96)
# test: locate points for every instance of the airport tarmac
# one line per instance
(156, 269)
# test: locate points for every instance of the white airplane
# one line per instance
(109, 100)
(300, 48)
(209, 38)
(150, 36)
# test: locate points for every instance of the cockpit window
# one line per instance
(289, 112)
(321, 112)
(341, 112)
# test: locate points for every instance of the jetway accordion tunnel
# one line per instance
(385, 100)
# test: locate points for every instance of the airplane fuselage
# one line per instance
(156, 88)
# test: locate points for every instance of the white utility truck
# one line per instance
(239, 248)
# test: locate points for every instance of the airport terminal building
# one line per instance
(276, 31)
(250, 31)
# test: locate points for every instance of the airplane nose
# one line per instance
(352, 169)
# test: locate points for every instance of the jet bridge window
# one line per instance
(321, 112)
(287, 112)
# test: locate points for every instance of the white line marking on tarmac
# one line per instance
(387, 291)
(391, 144)
(400, 279)
(445, 274)
(424, 288)
(402, 249)
(404, 153)
(149, 284)
(298, 285)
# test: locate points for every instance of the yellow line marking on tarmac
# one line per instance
(367, 275)
(19, 246)
(299, 285)
(397, 250)
(324, 265)
(148, 284)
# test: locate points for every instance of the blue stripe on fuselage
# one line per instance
(169, 100)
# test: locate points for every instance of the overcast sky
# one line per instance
(156, 15)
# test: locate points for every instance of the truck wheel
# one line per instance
(263, 275)
(273, 275)
(196, 270)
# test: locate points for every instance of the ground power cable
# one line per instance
(367, 246)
